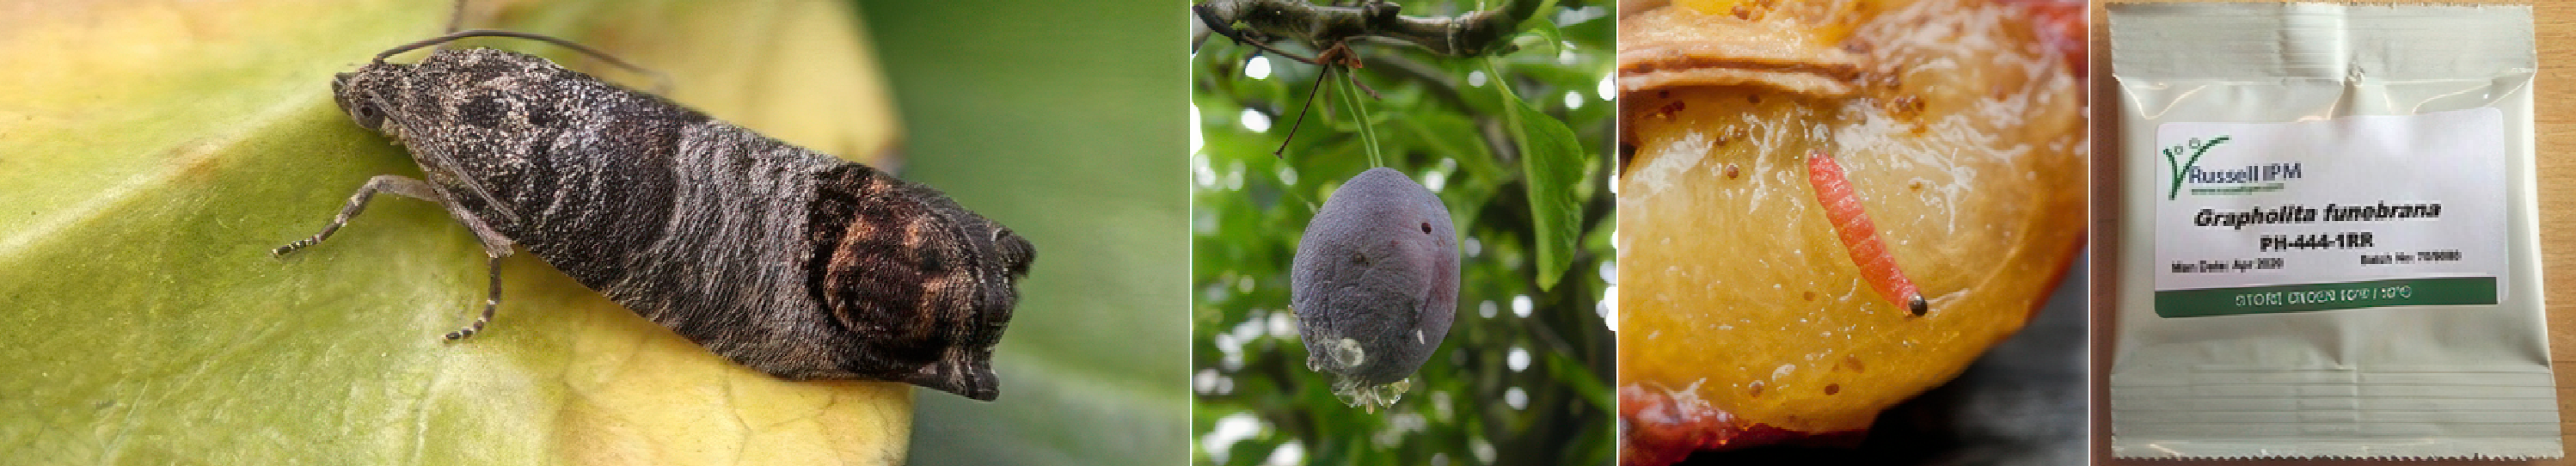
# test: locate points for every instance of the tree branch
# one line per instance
(1465, 35)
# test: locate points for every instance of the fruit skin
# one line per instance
(1375, 280)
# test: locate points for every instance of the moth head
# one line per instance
(924, 285)
(361, 94)
(387, 97)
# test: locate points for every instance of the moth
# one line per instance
(780, 258)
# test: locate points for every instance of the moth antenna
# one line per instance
(661, 82)
(455, 17)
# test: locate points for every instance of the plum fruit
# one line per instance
(1375, 285)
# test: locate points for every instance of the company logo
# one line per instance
(2181, 166)
(2187, 172)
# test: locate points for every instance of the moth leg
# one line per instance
(495, 247)
(394, 184)
(491, 300)
(494, 244)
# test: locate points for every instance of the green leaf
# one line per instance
(157, 150)
(1552, 164)
(1453, 135)
(1541, 28)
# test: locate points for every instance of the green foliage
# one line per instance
(1522, 377)
(1551, 161)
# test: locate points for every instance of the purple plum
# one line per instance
(1375, 285)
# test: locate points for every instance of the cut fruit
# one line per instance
(1745, 319)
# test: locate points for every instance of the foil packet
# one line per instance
(2328, 227)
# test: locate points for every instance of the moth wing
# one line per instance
(473, 187)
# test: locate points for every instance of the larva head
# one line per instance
(1375, 282)
(924, 286)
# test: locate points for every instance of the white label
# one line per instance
(2352, 212)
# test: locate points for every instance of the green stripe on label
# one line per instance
(2451, 291)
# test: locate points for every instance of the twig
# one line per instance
(1329, 30)
(1465, 35)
